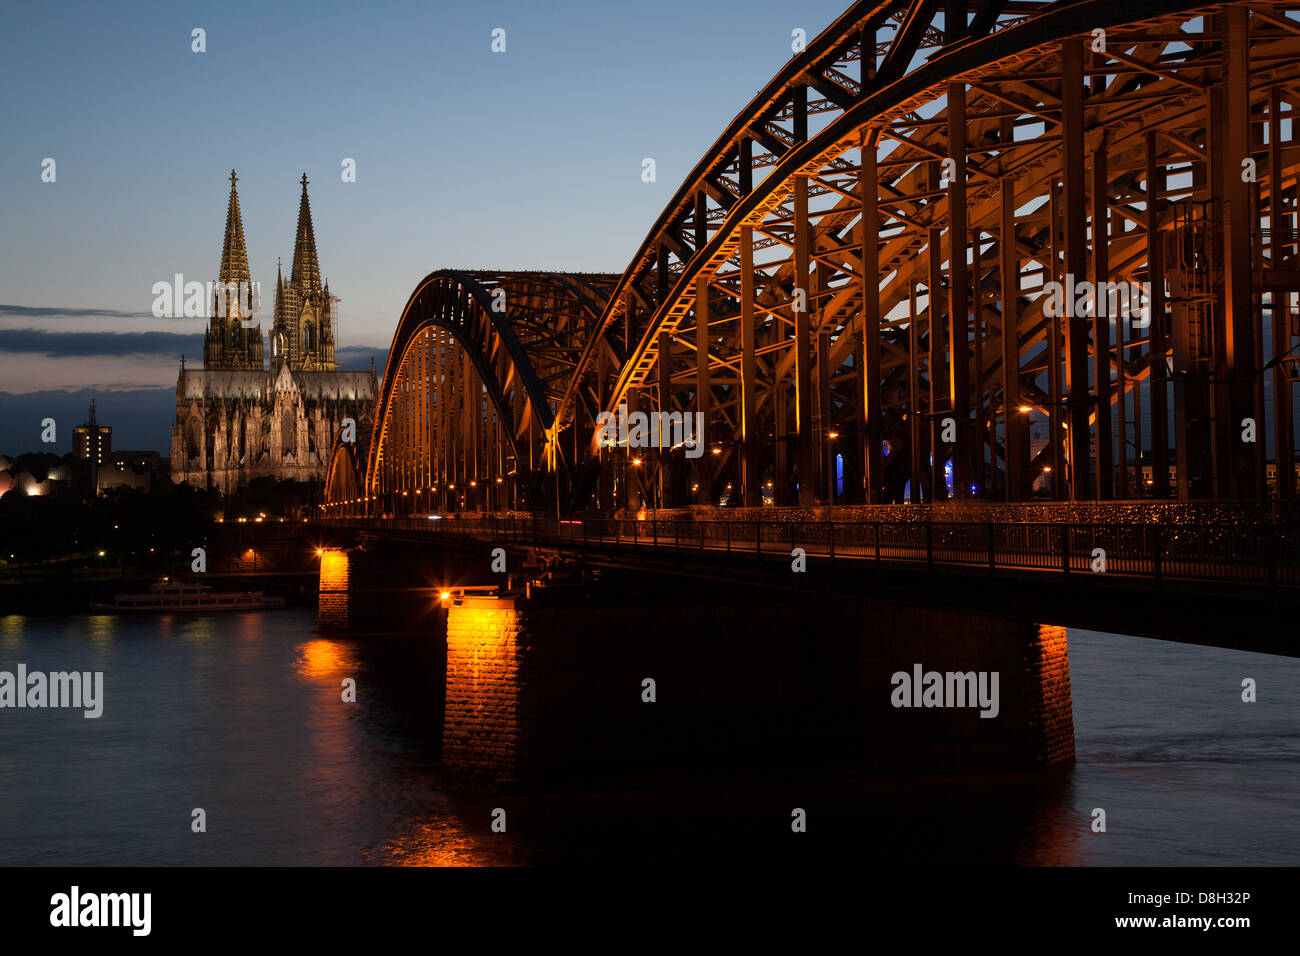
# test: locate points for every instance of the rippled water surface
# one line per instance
(241, 715)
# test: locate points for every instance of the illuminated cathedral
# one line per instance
(237, 418)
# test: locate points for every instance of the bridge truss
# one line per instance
(854, 287)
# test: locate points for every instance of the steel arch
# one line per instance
(511, 327)
(920, 298)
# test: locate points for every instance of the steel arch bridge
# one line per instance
(875, 285)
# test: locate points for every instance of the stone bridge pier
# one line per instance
(628, 680)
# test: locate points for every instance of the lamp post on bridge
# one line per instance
(831, 463)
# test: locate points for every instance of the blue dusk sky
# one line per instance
(468, 158)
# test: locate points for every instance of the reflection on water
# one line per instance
(242, 715)
(442, 838)
(321, 659)
(11, 630)
(99, 630)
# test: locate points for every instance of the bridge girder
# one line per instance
(469, 387)
(1030, 135)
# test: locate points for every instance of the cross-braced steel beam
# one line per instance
(996, 250)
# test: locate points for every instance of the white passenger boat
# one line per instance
(167, 596)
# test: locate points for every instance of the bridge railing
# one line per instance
(1221, 552)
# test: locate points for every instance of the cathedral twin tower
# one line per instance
(302, 335)
(237, 420)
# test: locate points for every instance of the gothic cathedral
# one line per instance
(236, 419)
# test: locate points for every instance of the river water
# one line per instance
(241, 715)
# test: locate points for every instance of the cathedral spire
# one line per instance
(233, 342)
(234, 257)
(306, 268)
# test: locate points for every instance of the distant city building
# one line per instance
(141, 470)
(92, 441)
(38, 474)
(237, 420)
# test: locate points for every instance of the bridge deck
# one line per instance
(1228, 553)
